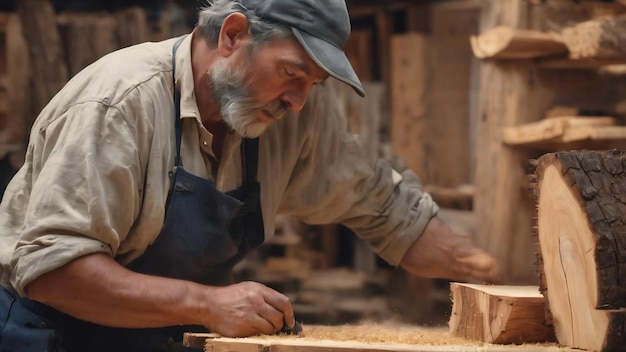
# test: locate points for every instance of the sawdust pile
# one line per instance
(384, 333)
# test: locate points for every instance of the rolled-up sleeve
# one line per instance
(84, 168)
(334, 182)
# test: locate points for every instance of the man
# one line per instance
(139, 194)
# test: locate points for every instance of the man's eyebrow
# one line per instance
(299, 64)
(303, 66)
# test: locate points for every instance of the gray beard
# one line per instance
(237, 108)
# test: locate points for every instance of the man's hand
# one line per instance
(86, 287)
(442, 253)
(247, 309)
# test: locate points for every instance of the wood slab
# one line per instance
(388, 337)
(581, 207)
(504, 42)
(499, 314)
(564, 129)
(261, 345)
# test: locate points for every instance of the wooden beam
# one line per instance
(407, 99)
(510, 94)
(581, 242)
(499, 314)
(504, 42)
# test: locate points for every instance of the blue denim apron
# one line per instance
(205, 233)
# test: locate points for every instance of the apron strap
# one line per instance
(250, 156)
(177, 122)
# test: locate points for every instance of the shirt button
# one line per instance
(205, 143)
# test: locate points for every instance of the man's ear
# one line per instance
(233, 34)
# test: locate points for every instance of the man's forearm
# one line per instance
(95, 288)
(440, 252)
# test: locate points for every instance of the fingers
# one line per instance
(480, 266)
(247, 309)
(281, 304)
(267, 321)
(273, 316)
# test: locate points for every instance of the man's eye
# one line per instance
(289, 73)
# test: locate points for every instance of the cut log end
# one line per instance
(581, 241)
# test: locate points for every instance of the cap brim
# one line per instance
(330, 58)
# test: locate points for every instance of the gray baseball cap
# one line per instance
(321, 26)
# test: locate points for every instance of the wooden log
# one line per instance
(504, 42)
(499, 314)
(604, 38)
(581, 240)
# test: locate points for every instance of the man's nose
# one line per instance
(295, 96)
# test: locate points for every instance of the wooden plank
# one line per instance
(447, 96)
(499, 314)
(407, 94)
(131, 27)
(359, 52)
(504, 42)
(86, 38)
(47, 64)
(581, 207)
(562, 129)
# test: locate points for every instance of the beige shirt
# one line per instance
(95, 178)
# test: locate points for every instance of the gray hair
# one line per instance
(211, 18)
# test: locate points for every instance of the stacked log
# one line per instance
(598, 39)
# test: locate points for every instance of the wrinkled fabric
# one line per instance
(95, 177)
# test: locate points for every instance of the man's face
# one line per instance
(255, 89)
